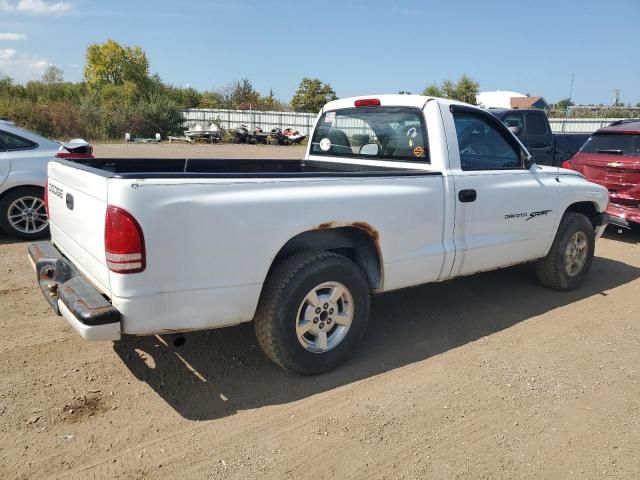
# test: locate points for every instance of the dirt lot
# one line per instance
(489, 376)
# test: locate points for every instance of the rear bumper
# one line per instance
(72, 296)
(622, 215)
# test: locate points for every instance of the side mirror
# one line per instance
(527, 160)
(369, 149)
(515, 130)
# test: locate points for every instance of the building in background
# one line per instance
(509, 99)
(529, 102)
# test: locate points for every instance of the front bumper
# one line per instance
(600, 223)
(72, 296)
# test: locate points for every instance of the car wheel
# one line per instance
(313, 311)
(23, 214)
(570, 256)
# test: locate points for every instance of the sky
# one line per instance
(359, 47)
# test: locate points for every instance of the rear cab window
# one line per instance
(613, 143)
(378, 132)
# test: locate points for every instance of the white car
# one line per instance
(394, 191)
(23, 174)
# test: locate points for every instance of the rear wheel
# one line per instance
(313, 310)
(23, 215)
(571, 254)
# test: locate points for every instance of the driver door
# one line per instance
(505, 213)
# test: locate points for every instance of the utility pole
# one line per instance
(616, 97)
(566, 110)
(571, 88)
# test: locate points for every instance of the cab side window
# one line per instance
(515, 120)
(10, 142)
(482, 146)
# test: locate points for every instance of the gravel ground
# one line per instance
(487, 376)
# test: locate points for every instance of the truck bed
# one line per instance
(235, 168)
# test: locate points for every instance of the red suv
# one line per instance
(611, 157)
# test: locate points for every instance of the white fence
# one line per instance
(579, 125)
(303, 122)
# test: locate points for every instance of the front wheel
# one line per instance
(313, 310)
(570, 257)
(23, 214)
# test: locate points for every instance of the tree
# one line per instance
(270, 102)
(6, 85)
(432, 90)
(53, 74)
(311, 95)
(112, 64)
(211, 100)
(564, 104)
(241, 95)
(464, 90)
(467, 90)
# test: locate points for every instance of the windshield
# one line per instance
(616, 143)
(389, 133)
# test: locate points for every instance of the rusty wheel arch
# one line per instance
(358, 241)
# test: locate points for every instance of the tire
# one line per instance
(284, 307)
(22, 199)
(557, 270)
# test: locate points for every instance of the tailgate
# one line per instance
(620, 174)
(77, 208)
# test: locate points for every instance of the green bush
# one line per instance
(63, 113)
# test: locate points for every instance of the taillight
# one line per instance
(567, 164)
(74, 155)
(367, 102)
(123, 242)
(46, 197)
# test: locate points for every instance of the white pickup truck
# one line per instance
(394, 191)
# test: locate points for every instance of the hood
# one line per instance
(558, 171)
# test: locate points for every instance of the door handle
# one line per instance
(467, 195)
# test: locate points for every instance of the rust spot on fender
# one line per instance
(368, 229)
(324, 226)
(364, 226)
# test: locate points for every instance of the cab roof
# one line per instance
(389, 100)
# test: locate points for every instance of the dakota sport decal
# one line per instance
(528, 216)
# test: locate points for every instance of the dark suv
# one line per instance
(611, 157)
